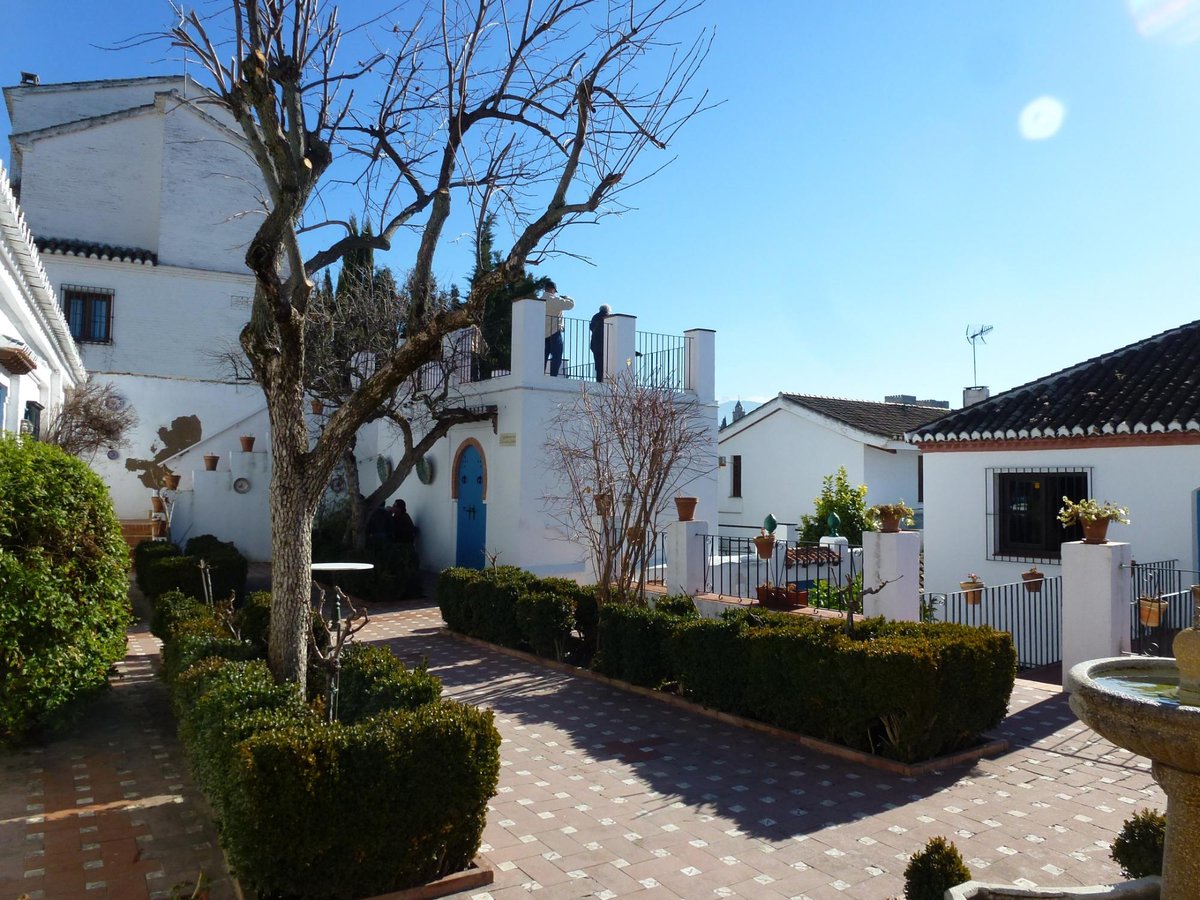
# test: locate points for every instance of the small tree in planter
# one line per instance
(837, 496)
(934, 870)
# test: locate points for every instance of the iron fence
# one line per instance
(1160, 605)
(1030, 611)
(736, 567)
(661, 360)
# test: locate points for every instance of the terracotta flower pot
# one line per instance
(157, 505)
(317, 406)
(604, 505)
(1095, 532)
(247, 442)
(889, 524)
(635, 533)
(1150, 611)
(765, 543)
(171, 481)
(973, 591)
(160, 528)
(210, 462)
(1033, 581)
(686, 507)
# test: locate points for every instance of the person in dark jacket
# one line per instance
(596, 327)
(404, 531)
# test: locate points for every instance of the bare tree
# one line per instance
(622, 451)
(92, 416)
(539, 111)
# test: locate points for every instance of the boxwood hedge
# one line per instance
(64, 598)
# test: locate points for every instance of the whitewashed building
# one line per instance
(141, 197)
(1124, 427)
(774, 458)
(38, 358)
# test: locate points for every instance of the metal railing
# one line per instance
(734, 567)
(1160, 605)
(1029, 611)
(661, 360)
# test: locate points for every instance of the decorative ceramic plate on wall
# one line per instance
(242, 485)
(425, 470)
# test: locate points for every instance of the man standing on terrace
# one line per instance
(556, 305)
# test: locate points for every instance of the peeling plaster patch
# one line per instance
(184, 431)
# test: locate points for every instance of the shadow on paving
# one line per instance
(770, 788)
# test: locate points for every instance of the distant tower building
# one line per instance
(738, 411)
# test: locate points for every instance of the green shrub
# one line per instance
(633, 644)
(454, 600)
(545, 619)
(162, 571)
(678, 605)
(587, 617)
(692, 649)
(348, 811)
(396, 574)
(64, 603)
(173, 607)
(1138, 849)
(374, 680)
(253, 619)
(493, 600)
(934, 870)
(144, 555)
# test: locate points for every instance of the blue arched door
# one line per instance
(472, 512)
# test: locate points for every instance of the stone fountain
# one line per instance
(1151, 706)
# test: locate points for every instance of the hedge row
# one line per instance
(161, 567)
(64, 598)
(509, 606)
(906, 690)
(392, 795)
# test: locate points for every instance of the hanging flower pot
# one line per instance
(604, 506)
(1095, 532)
(635, 533)
(686, 507)
(157, 505)
(1033, 580)
(317, 406)
(210, 462)
(765, 544)
(170, 481)
(1150, 611)
(972, 591)
(247, 442)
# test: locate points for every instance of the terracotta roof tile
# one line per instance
(1153, 385)
(70, 247)
(890, 420)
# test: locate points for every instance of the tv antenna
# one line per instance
(973, 338)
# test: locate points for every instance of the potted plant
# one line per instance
(170, 480)
(972, 589)
(1092, 517)
(686, 507)
(890, 516)
(1033, 580)
(210, 462)
(1150, 611)
(247, 442)
(317, 406)
(156, 504)
(764, 541)
(604, 506)
(766, 592)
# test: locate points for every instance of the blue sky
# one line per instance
(864, 193)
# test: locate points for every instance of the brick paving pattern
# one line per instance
(107, 809)
(605, 794)
(602, 794)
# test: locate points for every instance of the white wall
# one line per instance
(167, 322)
(1156, 483)
(34, 108)
(891, 476)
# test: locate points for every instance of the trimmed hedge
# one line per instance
(163, 569)
(633, 641)
(64, 598)
(906, 690)
(392, 795)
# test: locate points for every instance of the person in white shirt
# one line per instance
(556, 305)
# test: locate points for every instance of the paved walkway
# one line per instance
(602, 794)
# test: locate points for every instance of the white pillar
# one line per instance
(1095, 601)
(894, 558)
(840, 546)
(685, 556)
(701, 362)
(528, 341)
(620, 345)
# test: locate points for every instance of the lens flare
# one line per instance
(1041, 119)
(1170, 21)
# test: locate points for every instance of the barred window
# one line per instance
(1024, 510)
(89, 312)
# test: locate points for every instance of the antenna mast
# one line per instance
(979, 336)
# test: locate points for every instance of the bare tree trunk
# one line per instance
(357, 525)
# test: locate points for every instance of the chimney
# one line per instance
(30, 78)
(973, 395)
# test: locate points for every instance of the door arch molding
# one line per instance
(468, 442)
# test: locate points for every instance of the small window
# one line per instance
(89, 313)
(1026, 505)
(3, 404)
(735, 481)
(33, 416)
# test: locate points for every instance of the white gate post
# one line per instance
(685, 556)
(894, 558)
(1095, 600)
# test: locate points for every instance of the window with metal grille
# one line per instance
(1024, 511)
(89, 312)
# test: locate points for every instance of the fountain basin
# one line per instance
(1131, 701)
(1142, 889)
